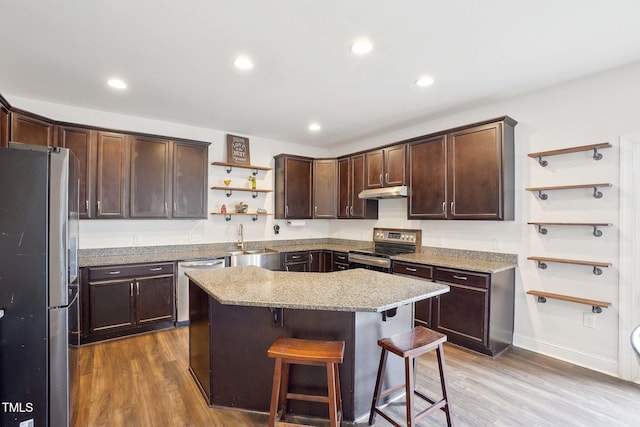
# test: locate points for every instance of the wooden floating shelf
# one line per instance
(230, 167)
(596, 306)
(229, 190)
(227, 216)
(596, 232)
(595, 147)
(543, 196)
(542, 263)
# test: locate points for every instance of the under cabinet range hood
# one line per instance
(384, 193)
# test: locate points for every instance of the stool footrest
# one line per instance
(308, 397)
(391, 391)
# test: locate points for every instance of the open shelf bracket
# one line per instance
(596, 231)
(542, 230)
(597, 270)
(542, 162)
(543, 196)
(542, 265)
(227, 217)
(597, 194)
(596, 155)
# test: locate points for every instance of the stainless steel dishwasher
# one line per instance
(182, 294)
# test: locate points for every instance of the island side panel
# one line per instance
(199, 339)
(370, 327)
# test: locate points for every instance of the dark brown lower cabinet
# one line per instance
(477, 312)
(422, 309)
(340, 261)
(295, 261)
(126, 299)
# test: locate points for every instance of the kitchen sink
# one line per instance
(265, 258)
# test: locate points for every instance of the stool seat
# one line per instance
(409, 345)
(296, 351)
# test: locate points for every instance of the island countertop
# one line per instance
(348, 290)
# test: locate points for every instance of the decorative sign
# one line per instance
(238, 150)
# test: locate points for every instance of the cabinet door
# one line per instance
(374, 169)
(150, 182)
(357, 205)
(325, 196)
(394, 165)
(155, 299)
(4, 127)
(462, 312)
(111, 176)
(344, 187)
(428, 179)
(475, 173)
(190, 180)
(422, 309)
(82, 142)
(316, 261)
(301, 266)
(298, 189)
(111, 305)
(327, 261)
(30, 129)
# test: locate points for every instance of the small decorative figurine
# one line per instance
(223, 209)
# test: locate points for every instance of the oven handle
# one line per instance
(363, 259)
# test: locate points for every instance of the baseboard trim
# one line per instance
(587, 360)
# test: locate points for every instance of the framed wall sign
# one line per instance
(238, 150)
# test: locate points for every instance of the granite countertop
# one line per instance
(348, 290)
(462, 263)
(137, 258)
(318, 247)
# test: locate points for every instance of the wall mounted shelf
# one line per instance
(595, 147)
(543, 196)
(254, 216)
(229, 167)
(596, 306)
(597, 266)
(254, 191)
(596, 231)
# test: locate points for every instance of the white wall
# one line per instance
(591, 110)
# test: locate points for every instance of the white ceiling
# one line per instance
(176, 56)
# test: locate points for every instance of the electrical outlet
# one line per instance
(589, 320)
(195, 237)
(137, 239)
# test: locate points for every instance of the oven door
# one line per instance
(369, 262)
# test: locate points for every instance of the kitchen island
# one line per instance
(236, 313)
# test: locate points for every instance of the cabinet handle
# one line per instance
(459, 277)
(351, 210)
(114, 272)
(175, 207)
(310, 258)
(98, 206)
(131, 289)
(346, 210)
(295, 257)
(386, 177)
(155, 269)
(86, 205)
(444, 207)
(380, 179)
(286, 211)
(286, 268)
(315, 211)
(451, 207)
(411, 269)
(138, 288)
(165, 207)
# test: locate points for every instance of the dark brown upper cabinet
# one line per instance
(83, 143)
(150, 183)
(464, 174)
(190, 179)
(325, 188)
(385, 167)
(32, 129)
(112, 175)
(351, 181)
(294, 187)
(4, 126)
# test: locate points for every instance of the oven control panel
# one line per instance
(397, 236)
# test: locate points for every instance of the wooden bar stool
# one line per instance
(297, 351)
(410, 345)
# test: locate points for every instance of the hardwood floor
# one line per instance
(144, 381)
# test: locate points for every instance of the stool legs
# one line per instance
(410, 391)
(276, 392)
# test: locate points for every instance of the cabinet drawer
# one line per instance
(296, 256)
(341, 257)
(138, 270)
(337, 266)
(478, 280)
(408, 269)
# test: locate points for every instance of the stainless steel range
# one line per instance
(386, 243)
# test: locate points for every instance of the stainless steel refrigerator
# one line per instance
(39, 327)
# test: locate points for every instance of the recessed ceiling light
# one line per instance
(243, 63)
(117, 83)
(314, 127)
(361, 47)
(424, 81)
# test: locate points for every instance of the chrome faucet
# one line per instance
(240, 243)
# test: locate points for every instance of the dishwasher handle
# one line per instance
(202, 265)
